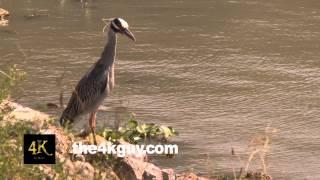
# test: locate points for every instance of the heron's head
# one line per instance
(119, 25)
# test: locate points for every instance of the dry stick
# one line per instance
(61, 99)
(208, 165)
(18, 44)
(234, 174)
(241, 162)
(263, 154)
(117, 119)
(21, 51)
(250, 158)
(5, 74)
(240, 173)
(262, 158)
(59, 84)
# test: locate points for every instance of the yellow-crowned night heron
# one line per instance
(97, 83)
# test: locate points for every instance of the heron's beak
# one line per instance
(130, 35)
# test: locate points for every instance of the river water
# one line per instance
(219, 71)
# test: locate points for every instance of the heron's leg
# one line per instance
(92, 124)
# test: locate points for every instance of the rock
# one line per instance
(14, 112)
(190, 176)
(131, 167)
(167, 173)
(4, 22)
(4, 13)
(79, 169)
(63, 142)
(125, 171)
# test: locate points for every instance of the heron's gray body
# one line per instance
(98, 82)
(95, 85)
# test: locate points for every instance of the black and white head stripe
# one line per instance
(119, 24)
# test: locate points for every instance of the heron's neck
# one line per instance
(109, 53)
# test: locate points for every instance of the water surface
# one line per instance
(218, 71)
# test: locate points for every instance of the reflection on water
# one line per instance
(217, 71)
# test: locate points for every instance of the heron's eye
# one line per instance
(117, 23)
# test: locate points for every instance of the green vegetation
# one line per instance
(134, 133)
(11, 135)
(11, 150)
(11, 159)
(8, 81)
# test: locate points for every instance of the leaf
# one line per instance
(132, 124)
(173, 131)
(106, 133)
(142, 128)
(137, 138)
(114, 136)
(167, 132)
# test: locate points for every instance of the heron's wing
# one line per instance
(92, 87)
(90, 90)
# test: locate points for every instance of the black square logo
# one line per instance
(39, 149)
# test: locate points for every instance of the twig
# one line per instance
(59, 84)
(240, 173)
(233, 152)
(5, 74)
(250, 159)
(61, 100)
(18, 44)
(234, 174)
(21, 51)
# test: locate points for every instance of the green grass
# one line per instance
(135, 133)
(11, 159)
(9, 80)
(11, 135)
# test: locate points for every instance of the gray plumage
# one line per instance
(95, 85)
(98, 82)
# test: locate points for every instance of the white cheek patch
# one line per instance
(123, 23)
